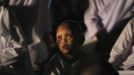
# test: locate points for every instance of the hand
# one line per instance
(7, 56)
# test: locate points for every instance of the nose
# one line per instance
(64, 40)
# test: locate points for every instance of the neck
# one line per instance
(72, 56)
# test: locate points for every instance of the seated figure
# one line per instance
(70, 60)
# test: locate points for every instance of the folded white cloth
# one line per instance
(11, 37)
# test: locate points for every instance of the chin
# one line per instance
(65, 53)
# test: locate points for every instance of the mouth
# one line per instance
(65, 46)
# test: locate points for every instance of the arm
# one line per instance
(48, 72)
(7, 51)
(92, 19)
(123, 45)
(54, 66)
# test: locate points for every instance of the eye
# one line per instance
(59, 37)
(69, 35)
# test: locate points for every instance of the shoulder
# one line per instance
(55, 62)
(54, 66)
(54, 59)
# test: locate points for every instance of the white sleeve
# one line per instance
(7, 51)
(91, 19)
(122, 46)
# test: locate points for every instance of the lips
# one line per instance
(65, 46)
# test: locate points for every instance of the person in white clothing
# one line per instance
(35, 21)
(14, 56)
(122, 53)
(104, 14)
(104, 20)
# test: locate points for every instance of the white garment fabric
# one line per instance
(122, 53)
(38, 48)
(35, 29)
(8, 44)
(22, 2)
(108, 12)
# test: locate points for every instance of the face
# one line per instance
(64, 39)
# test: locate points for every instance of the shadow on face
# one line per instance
(69, 38)
(64, 38)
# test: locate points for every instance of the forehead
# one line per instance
(63, 27)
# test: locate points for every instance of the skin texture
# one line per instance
(64, 39)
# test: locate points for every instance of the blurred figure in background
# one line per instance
(122, 55)
(33, 16)
(14, 55)
(105, 20)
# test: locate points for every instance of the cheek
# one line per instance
(70, 41)
(59, 45)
